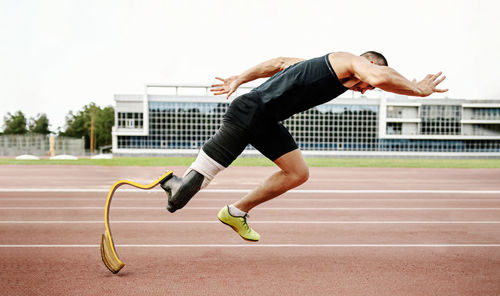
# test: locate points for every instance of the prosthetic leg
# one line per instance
(181, 190)
(198, 176)
(108, 252)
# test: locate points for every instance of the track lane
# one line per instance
(194, 232)
(263, 213)
(269, 270)
(288, 271)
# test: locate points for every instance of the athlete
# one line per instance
(254, 118)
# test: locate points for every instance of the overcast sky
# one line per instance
(58, 55)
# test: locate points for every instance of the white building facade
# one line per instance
(178, 120)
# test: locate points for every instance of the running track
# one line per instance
(347, 231)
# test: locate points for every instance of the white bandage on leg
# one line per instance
(206, 166)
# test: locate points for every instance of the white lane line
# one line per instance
(257, 245)
(299, 191)
(259, 209)
(253, 222)
(287, 199)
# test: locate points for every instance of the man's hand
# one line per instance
(428, 85)
(228, 86)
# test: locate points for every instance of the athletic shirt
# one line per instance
(299, 87)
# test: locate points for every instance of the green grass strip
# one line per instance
(259, 161)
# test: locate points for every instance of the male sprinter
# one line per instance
(254, 118)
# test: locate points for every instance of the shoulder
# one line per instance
(343, 63)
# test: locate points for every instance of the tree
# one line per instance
(104, 121)
(39, 125)
(79, 124)
(15, 124)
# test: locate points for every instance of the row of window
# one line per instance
(427, 128)
(327, 127)
(449, 128)
(486, 113)
(130, 120)
(138, 142)
(446, 112)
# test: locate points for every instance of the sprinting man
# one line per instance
(254, 118)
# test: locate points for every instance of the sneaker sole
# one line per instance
(236, 230)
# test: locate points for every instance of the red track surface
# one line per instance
(333, 243)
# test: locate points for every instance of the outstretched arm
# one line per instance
(390, 80)
(262, 70)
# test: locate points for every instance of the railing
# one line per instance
(35, 144)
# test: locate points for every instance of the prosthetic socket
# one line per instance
(198, 176)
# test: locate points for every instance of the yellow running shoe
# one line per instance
(239, 224)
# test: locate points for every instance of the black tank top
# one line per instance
(300, 87)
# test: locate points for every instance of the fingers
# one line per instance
(217, 89)
(436, 83)
(219, 84)
(440, 80)
(435, 76)
(229, 94)
(220, 92)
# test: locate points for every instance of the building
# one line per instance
(176, 119)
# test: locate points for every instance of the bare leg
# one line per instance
(294, 171)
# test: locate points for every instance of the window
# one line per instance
(394, 128)
(130, 120)
(394, 112)
(486, 113)
(440, 120)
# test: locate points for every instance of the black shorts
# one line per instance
(247, 122)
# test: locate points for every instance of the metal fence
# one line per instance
(35, 144)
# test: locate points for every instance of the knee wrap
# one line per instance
(181, 190)
(206, 166)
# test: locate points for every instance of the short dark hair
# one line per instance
(376, 57)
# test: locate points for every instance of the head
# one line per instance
(374, 58)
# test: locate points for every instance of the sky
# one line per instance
(59, 55)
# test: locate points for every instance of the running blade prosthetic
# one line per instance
(108, 251)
